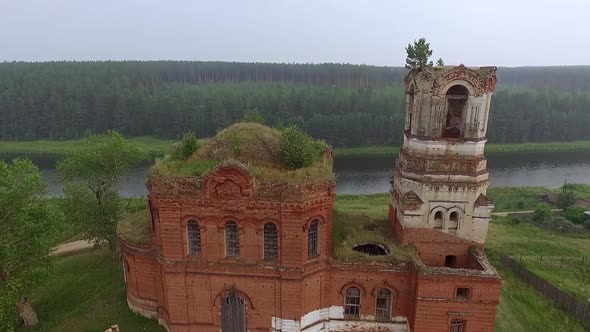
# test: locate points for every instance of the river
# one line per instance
(370, 174)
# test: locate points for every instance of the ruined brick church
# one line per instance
(245, 246)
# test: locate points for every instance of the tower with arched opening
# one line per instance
(440, 179)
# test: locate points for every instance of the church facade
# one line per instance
(231, 251)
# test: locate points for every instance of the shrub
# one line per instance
(520, 205)
(575, 215)
(514, 221)
(187, 146)
(253, 116)
(543, 214)
(565, 199)
(297, 149)
(563, 225)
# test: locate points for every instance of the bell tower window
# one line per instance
(410, 111)
(456, 104)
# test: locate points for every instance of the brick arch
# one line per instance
(433, 212)
(225, 292)
(460, 214)
(224, 219)
(321, 219)
(385, 285)
(228, 182)
(353, 284)
(470, 86)
(188, 217)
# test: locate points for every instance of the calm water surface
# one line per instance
(370, 174)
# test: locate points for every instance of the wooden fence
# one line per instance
(578, 308)
(560, 261)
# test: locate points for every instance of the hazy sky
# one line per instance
(491, 32)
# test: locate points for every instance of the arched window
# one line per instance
(410, 108)
(352, 303)
(383, 305)
(456, 102)
(454, 220)
(438, 219)
(270, 241)
(313, 239)
(232, 241)
(194, 237)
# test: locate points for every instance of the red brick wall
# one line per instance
(432, 245)
(186, 289)
(436, 305)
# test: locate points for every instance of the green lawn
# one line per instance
(523, 309)
(85, 292)
(574, 279)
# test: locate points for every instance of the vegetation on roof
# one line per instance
(259, 149)
(135, 227)
(350, 230)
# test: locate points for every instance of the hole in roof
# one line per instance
(371, 249)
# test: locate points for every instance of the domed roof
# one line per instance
(245, 142)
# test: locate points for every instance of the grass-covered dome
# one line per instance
(267, 153)
(247, 142)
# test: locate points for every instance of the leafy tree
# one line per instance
(187, 146)
(91, 174)
(296, 148)
(565, 198)
(440, 62)
(252, 115)
(543, 214)
(418, 54)
(25, 239)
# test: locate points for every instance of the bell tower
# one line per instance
(438, 197)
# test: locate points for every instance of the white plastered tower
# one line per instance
(440, 178)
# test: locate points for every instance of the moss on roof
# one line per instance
(252, 145)
(351, 229)
(245, 142)
(135, 227)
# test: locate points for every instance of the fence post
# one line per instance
(541, 261)
(583, 257)
(520, 258)
(561, 265)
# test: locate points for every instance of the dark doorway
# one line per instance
(456, 100)
(233, 312)
(451, 261)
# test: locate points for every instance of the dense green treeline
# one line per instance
(345, 105)
(565, 78)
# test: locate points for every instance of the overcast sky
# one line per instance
(498, 32)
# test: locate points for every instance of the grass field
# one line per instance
(85, 291)
(152, 146)
(156, 146)
(528, 198)
(525, 239)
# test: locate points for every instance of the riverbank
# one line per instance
(157, 147)
(56, 149)
(582, 146)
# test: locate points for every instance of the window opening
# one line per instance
(352, 303)
(383, 304)
(270, 241)
(232, 241)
